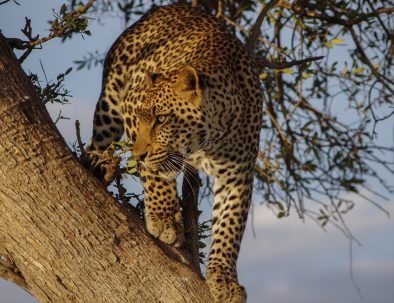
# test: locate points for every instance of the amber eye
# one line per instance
(161, 119)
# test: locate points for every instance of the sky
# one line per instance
(288, 260)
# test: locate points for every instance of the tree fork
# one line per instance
(63, 234)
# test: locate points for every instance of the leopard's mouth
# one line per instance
(168, 165)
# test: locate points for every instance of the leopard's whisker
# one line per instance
(186, 167)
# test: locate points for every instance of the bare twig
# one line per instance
(351, 263)
(194, 3)
(21, 44)
(5, 1)
(80, 144)
(255, 31)
(219, 13)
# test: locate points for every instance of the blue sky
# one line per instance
(290, 260)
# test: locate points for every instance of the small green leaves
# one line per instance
(53, 91)
(336, 41)
(132, 166)
(68, 22)
(263, 76)
(287, 71)
(90, 60)
(280, 210)
(358, 70)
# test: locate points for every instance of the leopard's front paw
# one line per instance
(104, 167)
(226, 291)
(168, 230)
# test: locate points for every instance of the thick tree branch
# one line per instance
(68, 238)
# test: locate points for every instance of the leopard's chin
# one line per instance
(167, 168)
(169, 175)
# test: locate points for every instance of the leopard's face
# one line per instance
(171, 123)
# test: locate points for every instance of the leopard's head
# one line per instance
(172, 122)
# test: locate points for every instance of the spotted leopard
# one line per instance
(186, 93)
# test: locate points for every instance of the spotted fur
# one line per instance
(187, 94)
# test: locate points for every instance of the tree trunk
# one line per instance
(62, 236)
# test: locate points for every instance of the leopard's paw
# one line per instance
(168, 230)
(104, 166)
(224, 291)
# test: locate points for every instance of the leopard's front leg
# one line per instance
(233, 191)
(162, 211)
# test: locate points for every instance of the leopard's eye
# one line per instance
(161, 119)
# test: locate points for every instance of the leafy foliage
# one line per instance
(92, 59)
(53, 91)
(66, 23)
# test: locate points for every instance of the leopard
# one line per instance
(186, 92)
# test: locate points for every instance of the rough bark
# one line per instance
(62, 236)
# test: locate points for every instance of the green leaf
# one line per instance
(68, 70)
(337, 41)
(132, 163)
(288, 71)
(358, 70)
(263, 76)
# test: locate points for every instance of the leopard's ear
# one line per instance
(150, 78)
(189, 85)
